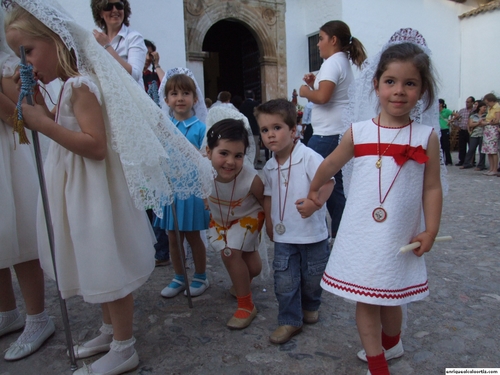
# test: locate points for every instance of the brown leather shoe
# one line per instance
(240, 323)
(310, 317)
(283, 334)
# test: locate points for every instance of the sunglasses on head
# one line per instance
(109, 6)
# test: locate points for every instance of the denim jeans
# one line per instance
(445, 146)
(298, 269)
(324, 145)
(474, 144)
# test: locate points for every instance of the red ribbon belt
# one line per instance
(400, 153)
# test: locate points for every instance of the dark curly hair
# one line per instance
(97, 5)
(231, 130)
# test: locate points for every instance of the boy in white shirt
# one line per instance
(293, 222)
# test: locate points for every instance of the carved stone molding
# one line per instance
(264, 19)
(194, 7)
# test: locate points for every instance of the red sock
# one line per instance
(244, 303)
(378, 365)
(389, 342)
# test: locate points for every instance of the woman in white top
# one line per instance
(124, 44)
(328, 90)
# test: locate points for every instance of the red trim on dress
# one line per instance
(373, 292)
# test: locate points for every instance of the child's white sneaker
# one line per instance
(395, 352)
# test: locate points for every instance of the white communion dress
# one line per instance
(365, 264)
(18, 190)
(103, 243)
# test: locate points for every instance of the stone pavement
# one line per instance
(458, 325)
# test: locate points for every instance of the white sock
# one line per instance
(34, 327)
(105, 337)
(7, 317)
(119, 353)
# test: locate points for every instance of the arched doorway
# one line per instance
(267, 24)
(232, 62)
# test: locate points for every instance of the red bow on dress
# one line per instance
(409, 152)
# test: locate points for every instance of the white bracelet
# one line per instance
(107, 46)
(157, 67)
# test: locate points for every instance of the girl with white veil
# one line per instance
(395, 196)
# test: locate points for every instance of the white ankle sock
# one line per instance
(7, 317)
(119, 353)
(105, 337)
(34, 327)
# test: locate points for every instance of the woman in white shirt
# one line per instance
(328, 91)
(124, 44)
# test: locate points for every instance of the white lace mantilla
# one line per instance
(158, 161)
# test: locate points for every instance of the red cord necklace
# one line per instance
(379, 214)
(226, 251)
(280, 227)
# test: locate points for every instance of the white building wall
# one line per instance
(480, 60)
(454, 42)
(373, 22)
(304, 19)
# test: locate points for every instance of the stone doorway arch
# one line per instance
(265, 20)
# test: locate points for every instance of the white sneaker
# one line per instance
(395, 352)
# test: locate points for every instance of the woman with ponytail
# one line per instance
(328, 90)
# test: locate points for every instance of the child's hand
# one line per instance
(426, 241)
(269, 230)
(205, 202)
(306, 207)
(33, 116)
(314, 196)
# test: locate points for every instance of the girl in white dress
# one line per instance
(395, 178)
(18, 244)
(236, 213)
(106, 164)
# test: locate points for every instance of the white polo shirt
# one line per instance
(304, 164)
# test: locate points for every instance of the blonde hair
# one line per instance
(23, 21)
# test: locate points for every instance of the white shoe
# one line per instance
(126, 366)
(395, 352)
(169, 292)
(195, 292)
(14, 326)
(18, 351)
(85, 352)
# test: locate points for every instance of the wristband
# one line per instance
(107, 46)
(157, 67)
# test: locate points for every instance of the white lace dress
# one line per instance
(18, 190)
(365, 264)
(103, 243)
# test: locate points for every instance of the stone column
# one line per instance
(195, 63)
(269, 78)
